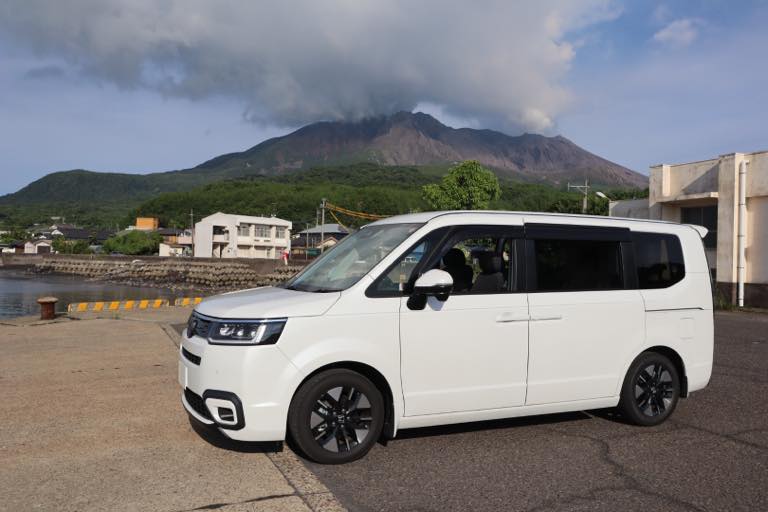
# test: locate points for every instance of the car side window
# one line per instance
(577, 265)
(481, 260)
(396, 279)
(399, 275)
(659, 260)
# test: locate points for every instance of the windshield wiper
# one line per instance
(311, 290)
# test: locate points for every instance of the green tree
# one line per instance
(468, 186)
(134, 243)
(64, 246)
(13, 235)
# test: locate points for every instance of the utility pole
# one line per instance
(322, 224)
(192, 229)
(584, 189)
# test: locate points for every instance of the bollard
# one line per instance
(47, 307)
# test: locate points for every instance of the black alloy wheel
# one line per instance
(651, 390)
(336, 417)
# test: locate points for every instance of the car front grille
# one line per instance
(195, 401)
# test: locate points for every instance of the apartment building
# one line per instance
(729, 196)
(224, 235)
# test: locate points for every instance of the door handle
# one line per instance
(505, 318)
(544, 318)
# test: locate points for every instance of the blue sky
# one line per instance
(638, 83)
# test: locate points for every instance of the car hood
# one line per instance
(268, 302)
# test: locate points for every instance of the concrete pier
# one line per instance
(92, 420)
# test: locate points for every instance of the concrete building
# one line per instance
(224, 235)
(172, 250)
(39, 246)
(147, 223)
(176, 242)
(729, 196)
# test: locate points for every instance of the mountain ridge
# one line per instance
(418, 139)
(402, 139)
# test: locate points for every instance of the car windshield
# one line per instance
(351, 259)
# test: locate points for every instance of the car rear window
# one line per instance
(659, 260)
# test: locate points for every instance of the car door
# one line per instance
(470, 352)
(586, 313)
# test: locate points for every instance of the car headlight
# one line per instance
(246, 332)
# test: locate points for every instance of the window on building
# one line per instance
(280, 233)
(263, 232)
(577, 265)
(219, 230)
(702, 216)
(659, 260)
(244, 230)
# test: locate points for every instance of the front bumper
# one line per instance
(245, 391)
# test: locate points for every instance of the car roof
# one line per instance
(425, 217)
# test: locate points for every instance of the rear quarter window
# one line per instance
(659, 260)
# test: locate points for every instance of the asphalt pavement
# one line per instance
(711, 455)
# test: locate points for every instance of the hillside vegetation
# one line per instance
(372, 188)
(366, 187)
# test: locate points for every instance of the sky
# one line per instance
(142, 86)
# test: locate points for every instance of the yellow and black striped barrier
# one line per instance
(187, 301)
(117, 305)
(127, 305)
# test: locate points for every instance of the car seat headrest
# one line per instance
(454, 258)
(490, 263)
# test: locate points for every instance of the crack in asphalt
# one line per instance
(730, 437)
(631, 483)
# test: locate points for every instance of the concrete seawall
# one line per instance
(199, 274)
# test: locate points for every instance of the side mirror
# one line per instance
(435, 283)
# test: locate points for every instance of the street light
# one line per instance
(611, 202)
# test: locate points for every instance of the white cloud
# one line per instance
(497, 61)
(679, 33)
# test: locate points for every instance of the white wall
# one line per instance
(630, 208)
(757, 240)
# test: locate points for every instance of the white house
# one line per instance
(224, 235)
(40, 246)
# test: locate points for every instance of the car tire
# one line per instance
(650, 391)
(336, 417)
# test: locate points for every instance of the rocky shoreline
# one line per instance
(175, 274)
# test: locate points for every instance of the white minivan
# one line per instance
(448, 317)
